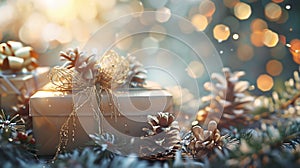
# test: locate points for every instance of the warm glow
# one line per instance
(221, 32)
(273, 11)
(200, 22)
(270, 38)
(257, 38)
(207, 8)
(274, 67)
(258, 25)
(195, 69)
(201, 115)
(242, 11)
(245, 52)
(264, 82)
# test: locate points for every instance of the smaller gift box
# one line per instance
(50, 110)
(14, 85)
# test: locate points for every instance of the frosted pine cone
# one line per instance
(137, 74)
(202, 142)
(228, 99)
(162, 137)
(85, 65)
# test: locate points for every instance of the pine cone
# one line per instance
(228, 96)
(85, 65)
(162, 137)
(202, 142)
(137, 74)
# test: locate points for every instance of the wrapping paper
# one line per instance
(11, 86)
(50, 109)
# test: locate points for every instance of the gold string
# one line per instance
(64, 130)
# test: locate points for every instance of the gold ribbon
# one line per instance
(109, 72)
(15, 57)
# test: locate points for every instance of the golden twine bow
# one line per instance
(109, 71)
(15, 57)
(79, 72)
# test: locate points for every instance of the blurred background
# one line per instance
(260, 37)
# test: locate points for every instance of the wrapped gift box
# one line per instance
(50, 109)
(22, 84)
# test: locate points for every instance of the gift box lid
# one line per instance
(131, 102)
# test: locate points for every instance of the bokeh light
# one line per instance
(195, 69)
(264, 82)
(207, 8)
(273, 11)
(242, 11)
(221, 32)
(163, 14)
(274, 67)
(245, 52)
(270, 38)
(200, 22)
(235, 36)
(230, 3)
(258, 25)
(257, 38)
(295, 47)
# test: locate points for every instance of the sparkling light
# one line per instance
(242, 11)
(264, 82)
(207, 8)
(273, 11)
(200, 22)
(195, 69)
(288, 7)
(274, 67)
(221, 32)
(235, 36)
(270, 38)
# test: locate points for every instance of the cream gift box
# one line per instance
(12, 85)
(50, 109)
